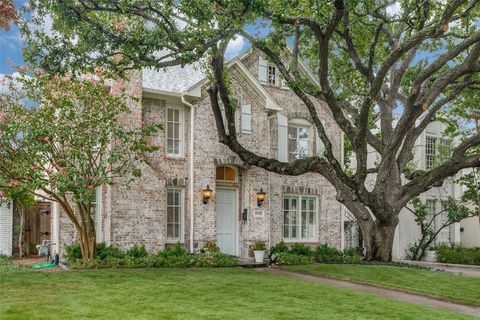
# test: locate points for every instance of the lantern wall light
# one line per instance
(260, 197)
(207, 194)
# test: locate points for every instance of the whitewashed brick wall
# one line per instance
(6, 228)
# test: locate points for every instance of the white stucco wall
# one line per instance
(470, 236)
(6, 230)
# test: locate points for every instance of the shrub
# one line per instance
(137, 252)
(210, 247)
(5, 259)
(280, 247)
(177, 251)
(300, 249)
(216, 259)
(457, 254)
(287, 258)
(104, 252)
(73, 253)
(353, 255)
(259, 246)
(325, 253)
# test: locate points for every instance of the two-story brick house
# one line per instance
(166, 205)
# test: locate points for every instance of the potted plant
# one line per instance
(259, 251)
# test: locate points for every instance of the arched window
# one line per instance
(300, 139)
(226, 173)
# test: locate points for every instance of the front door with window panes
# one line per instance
(300, 218)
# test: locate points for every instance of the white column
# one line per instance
(6, 230)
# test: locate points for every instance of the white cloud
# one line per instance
(9, 82)
(235, 46)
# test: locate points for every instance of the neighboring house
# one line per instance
(166, 205)
(429, 149)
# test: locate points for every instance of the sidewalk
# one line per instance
(384, 293)
(458, 269)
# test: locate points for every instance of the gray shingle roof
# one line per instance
(173, 79)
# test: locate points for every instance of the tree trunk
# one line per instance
(21, 231)
(378, 239)
(88, 243)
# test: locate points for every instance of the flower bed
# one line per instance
(137, 257)
(300, 254)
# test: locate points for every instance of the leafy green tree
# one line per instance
(60, 138)
(370, 62)
(455, 212)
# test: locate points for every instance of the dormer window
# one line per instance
(272, 75)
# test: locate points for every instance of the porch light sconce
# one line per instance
(207, 194)
(260, 197)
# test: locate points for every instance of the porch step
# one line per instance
(250, 263)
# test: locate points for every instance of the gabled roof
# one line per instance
(270, 103)
(188, 80)
(174, 79)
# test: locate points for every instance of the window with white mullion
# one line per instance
(272, 75)
(431, 211)
(300, 223)
(174, 131)
(298, 142)
(174, 215)
(445, 234)
(95, 210)
(430, 152)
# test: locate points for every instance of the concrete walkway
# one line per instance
(457, 269)
(381, 292)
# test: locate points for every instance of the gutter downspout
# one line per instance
(270, 183)
(191, 160)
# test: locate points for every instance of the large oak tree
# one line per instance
(385, 70)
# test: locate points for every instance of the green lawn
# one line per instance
(189, 294)
(437, 284)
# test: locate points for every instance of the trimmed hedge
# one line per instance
(137, 257)
(300, 253)
(457, 254)
(287, 259)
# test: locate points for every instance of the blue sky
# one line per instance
(11, 45)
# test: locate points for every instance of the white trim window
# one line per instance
(430, 151)
(431, 211)
(272, 74)
(174, 214)
(174, 132)
(299, 218)
(247, 118)
(300, 139)
(95, 211)
(226, 174)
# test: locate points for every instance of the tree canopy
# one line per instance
(385, 70)
(61, 138)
